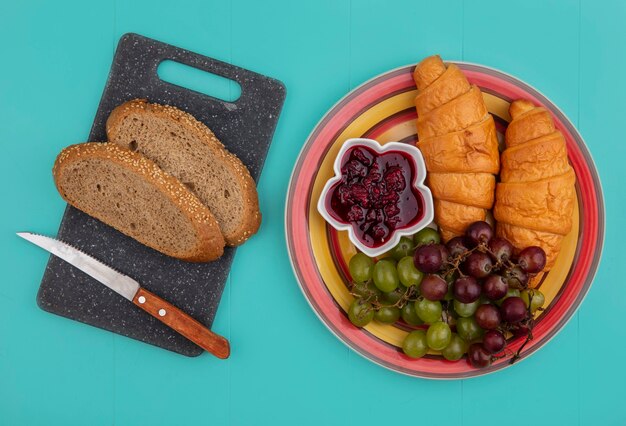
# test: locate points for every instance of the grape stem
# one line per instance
(530, 323)
(446, 315)
(372, 298)
(517, 356)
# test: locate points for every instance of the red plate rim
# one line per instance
(579, 279)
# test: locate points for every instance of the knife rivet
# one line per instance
(162, 312)
(142, 299)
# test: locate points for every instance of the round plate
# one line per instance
(383, 109)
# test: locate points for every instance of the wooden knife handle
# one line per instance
(176, 319)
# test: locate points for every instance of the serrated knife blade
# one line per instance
(130, 289)
(116, 281)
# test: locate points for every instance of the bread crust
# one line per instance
(535, 199)
(543, 205)
(457, 114)
(428, 71)
(210, 242)
(536, 159)
(459, 143)
(527, 125)
(251, 212)
(451, 84)
(469, 150)
(456, 217)
(459, 188)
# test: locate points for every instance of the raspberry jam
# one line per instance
(375, 194)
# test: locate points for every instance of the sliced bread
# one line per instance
(133, 195)
(189, 151)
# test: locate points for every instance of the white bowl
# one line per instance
(418, 184)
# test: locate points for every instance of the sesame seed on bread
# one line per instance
(133, 195)
(188, 150)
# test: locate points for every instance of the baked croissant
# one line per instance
(535, 196)
(457, 137)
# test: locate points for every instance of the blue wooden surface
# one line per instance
(286, 368)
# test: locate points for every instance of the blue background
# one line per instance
(286, 368)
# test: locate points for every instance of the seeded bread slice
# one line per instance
(189, 151)
(133, 195)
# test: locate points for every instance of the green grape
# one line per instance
(404, 248)
(537, 299)
(385, 275)
(361, 268)
(455, 349)
(366, 290)
(360, 313)
(511, 292)
(415, 344)
(387, 314)
(428, 311)
(407, 272)
(438, 335)
(466, 309)
(468, 329)
(409, 315)
(390, 259)
(392, 297)
(426, 236)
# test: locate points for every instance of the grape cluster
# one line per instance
(464, 297)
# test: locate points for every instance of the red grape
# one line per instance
(493, 341)
(433, 287)
(428, 258)
(479, 232)
(466, 289)
(513, 309)
(478, 264)
(488, 317)
(501, 249)
(495, 287)
(457, 246)
(532, 259)
(477, 356)
(520, 330)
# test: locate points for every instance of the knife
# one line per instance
(130, 289)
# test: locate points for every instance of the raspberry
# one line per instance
(379, 231)
(375, 215)
(355, 214)
(393, 222)
(395, 179)
(380, 217)
(376, 193)
(372, 178)
(371, 215)
(390, 197)
(344, 195)
(355, 169)
(358, 194)
(361, 156)
(391, 210)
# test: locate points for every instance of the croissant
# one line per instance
(459, 143)
(535, 196)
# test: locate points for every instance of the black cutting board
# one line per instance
(245, 126)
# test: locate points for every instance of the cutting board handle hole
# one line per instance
(198, 80)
